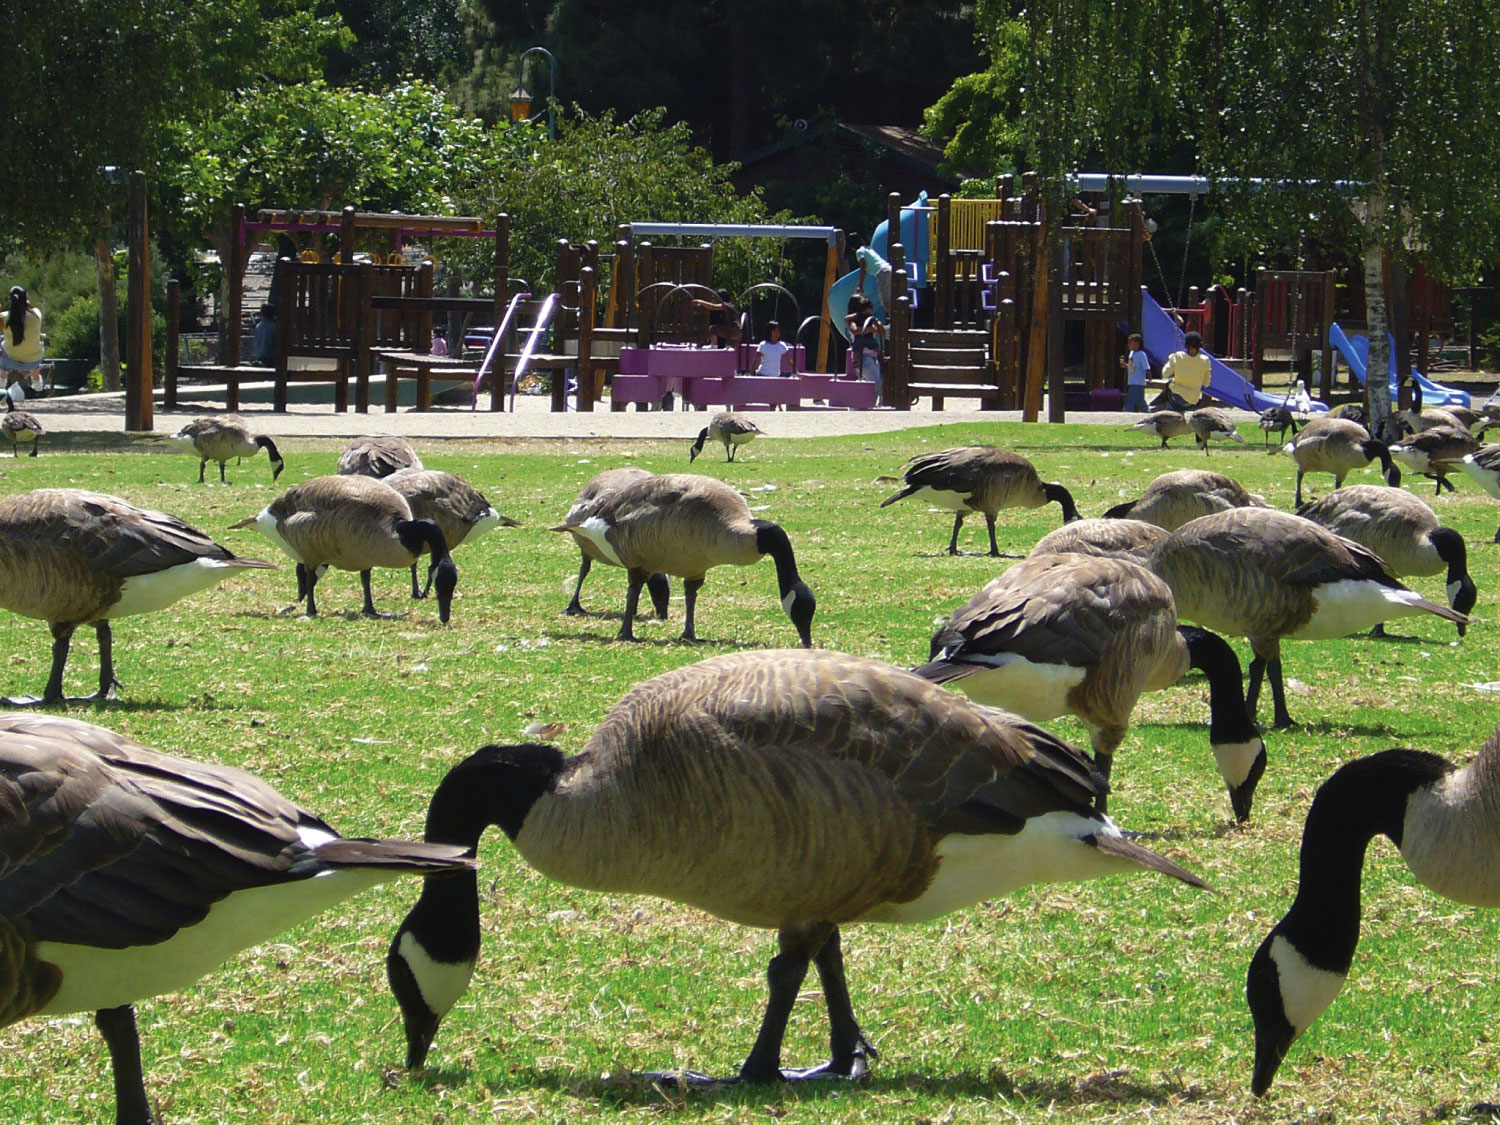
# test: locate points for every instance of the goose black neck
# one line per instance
(1209, 653)
(1060, 495)
(269, 446)
(771, 540)
(1362, 800)
(495, 785)
(1120, 511)
(416, 534)
(1450, 547)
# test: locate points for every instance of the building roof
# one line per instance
(904, 145)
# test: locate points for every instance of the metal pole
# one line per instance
(551, 86)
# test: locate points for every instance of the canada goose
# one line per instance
(1087, 636)
(853, 791)
(1415, 421)
(1174, 498)
(1268, 575)
(126, 873)
(594, 493)
(353, 523)
(979, 479)
(1483, 467)
(219, 439)
(1338, 446)
(21, 427)
(378, 457)
(1432, 452)
(1349, 412)
(457, 507)
(731, 428)
(1403, 531)
(1107, 538)
(1165, 424)
(1207, 422)
(1440, 815)
(684, 524)
(72, 558)
(1280, 419)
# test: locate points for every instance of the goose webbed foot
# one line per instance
(377, 615)
(575, 610)
(687, 1080)
(29, 700)
(852, 1066)
(1379, 630)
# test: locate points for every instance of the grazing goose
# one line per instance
(1441, 816)
(126, 873)
(219, 439)
(1433, 452)
(72, 558)
(1173, 499)
(1403, 531)
(1207, 422)
(1415, 421)
(1483, 467)
(1268, 575)
(1165, 424)
(1108, 538)
(377, 457)
(796, 791)
(1279, 419)
(596, 492)
(979, 479)
(353, 523)
(1349, 412)
(457, 507)
(684, 524)
(1338, 446)
(1087, 636)
(731, 428)
(21, 427)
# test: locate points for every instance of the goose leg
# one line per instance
(1257, 672)
(632, 603)
(575, 607)
(369, 609)
(989, 520)
(117, 1026)
(221, 473)
(690, 587)
(1299, 487)
(1105, 741)
(1497, 535)
(1278, 694)
(107, 681)
(784, 977)
(416, 587)
(203, 464)
(35, 446)
(958, 522)
(311, 577)
(851, 1051)
(1379, 630)
(62, 638)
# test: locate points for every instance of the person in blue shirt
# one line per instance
(1137, 371)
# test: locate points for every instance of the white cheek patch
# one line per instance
(441, 983)
(1234, 760)
(1453, 588)
(1306, 991)
(787, 603)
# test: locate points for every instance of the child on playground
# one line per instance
(770, 350)
(871, 263)
(1137, 371)
(1187, 372)
(21, 336)
(724, 329)
(868, 337)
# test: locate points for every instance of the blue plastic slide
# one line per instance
(1356, 353)
(913, 240)
(1163, 338)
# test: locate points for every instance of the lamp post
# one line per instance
(520, 100)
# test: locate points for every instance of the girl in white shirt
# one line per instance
(771, 349)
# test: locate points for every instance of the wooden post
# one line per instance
(1135, 216)
(1262, 310)
(174, 320)
(284, 281)
(1330, 281)
(830, 275)
(502, 267)
(363, 334)
(941, 285)
(892, 220)
(138, 402)
(588, 296)
(896, 375)
(346, 237)
(1057, 264)
(1036, 331)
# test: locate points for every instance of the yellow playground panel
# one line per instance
(966, 226)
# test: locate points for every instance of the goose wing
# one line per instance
(378, 457)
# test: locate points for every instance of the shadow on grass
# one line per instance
(62, 440)
(596, 637)
(630, 1089)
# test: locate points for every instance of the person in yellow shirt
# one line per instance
(1187, 372)
(21, 340)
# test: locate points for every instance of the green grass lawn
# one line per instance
(1118, 1000)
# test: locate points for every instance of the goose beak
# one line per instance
(800, 605)
(446, 581)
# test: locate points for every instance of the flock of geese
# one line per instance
(865, 792)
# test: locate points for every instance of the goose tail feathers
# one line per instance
(1123, 848)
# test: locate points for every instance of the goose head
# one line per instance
(274, 454)
(697, 446)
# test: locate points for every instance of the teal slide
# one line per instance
(1356, 353)
(914, 242)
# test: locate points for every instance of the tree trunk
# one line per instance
(1377, 377)
(109, 315)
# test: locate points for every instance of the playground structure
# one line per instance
(994, 301)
